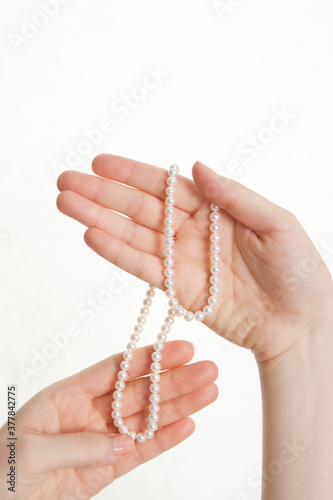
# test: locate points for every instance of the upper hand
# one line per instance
(274, 284)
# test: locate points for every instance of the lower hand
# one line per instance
(66, 439)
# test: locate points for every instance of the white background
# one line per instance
(225, 75)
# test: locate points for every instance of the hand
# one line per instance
(275, 288)
(67, 444)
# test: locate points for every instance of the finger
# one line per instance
(90, 214)
(141, 264)
(142, 207)
(50, 452)
(174, 383)
(164, 439)
(246, 206)
(101, 377)
(175, 409)
(147, 178)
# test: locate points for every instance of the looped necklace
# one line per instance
(175, 309)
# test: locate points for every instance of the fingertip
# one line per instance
(189, 426)
(61, 201)
(184, 348)
(211, 370)
(63, 179)
(98, 161)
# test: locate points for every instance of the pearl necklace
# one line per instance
(175, 310)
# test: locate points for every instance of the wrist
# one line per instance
(297, 415)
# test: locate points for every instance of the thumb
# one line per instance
(244, 205)
(50, 452)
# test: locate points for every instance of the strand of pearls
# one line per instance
(175, 309)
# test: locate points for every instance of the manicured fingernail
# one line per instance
(122, 444)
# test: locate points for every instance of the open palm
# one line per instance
(271, 275)
(65, 430)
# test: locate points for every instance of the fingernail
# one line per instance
(122, 444)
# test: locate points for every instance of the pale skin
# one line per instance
(276, 295)
(67, 446)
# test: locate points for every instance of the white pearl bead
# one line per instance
(116, 414)
(120, 385)
(214, 207)
(123, 429)
(154, 398)
(125, 365)
(214, 227)
(165, 328)
(170, 200)
(168, 262)
(173, 303)
(215, 259)
(141, 320)
(135, 337)
(168, 252)
(169, 242)
(150, 293)
(170, 191)
(122, 375)
(169, 320)
(144, 311)
(128, 356)
(174, 169)
(132, 434)
(154, 388)
(188, 316)
(158, 346)
(147, 302)
(214, 279)
(116, 405)
(170, 293)
(215, 217)
(212, 300)
(214, 290)
(138, 329)
(155, 367)
(118, 422)
(169, 283)
(140, 438)
(180, 311)
(171, 312)
(169, 211)
(171, 181)
(152, 426)
(156, 356)
(155, 378)
(207, 310)
(131, 346)
(215, 269)
(199, 315)
(169, 272)
(153, 417)
(215, 248)
(154, 408)
(149, 434)
(169, 231)
(162, 337)
(215, 238)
